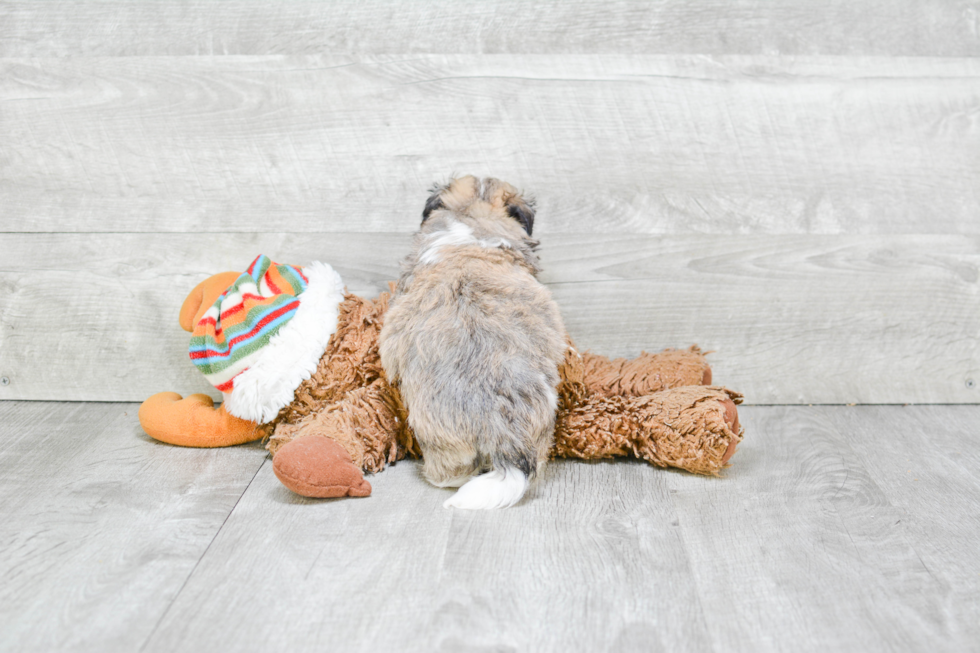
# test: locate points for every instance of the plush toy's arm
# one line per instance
(200, 299)
(194, 422)
(694, 428)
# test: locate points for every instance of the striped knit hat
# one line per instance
(266, 333)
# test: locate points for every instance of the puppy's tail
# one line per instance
(500, 488)
(514, 465)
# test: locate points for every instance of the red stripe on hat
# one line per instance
(229, 384)
(210, 353)
(225, 315)
(240, 306)
(299, 271)
(209, 322)
(272, 286)
(251, 268)
(261, 298)
(236, 308)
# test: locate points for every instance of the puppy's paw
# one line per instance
(500, 488)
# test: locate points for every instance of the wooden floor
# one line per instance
(836, 529)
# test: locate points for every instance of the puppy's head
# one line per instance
(481, 198)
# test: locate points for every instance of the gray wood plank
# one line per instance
(836, 528)
(799, 548)
(796, 548)
(930, 452)
(793, 319)
(102, 309)
(787, 27)
(608, 143)
(101, 526)
(592, 563)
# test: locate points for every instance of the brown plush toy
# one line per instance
(345, 419)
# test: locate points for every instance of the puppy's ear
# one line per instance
(434, 203)
(523, 212)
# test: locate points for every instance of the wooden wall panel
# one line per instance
(790, 183)
(655, 145)
(786, 27)
(793, 319)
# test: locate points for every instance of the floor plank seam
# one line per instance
(202, 556)
(690, 566)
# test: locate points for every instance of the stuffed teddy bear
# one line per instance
(297, 360)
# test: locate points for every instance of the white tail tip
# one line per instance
(500, 488)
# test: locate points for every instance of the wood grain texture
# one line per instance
(792, 319)
(930, 451)
(795, 548)
(101, 526)
(816, 551)
(597, 568)
(788, 27)
(836, 528)
(101, 309)
(608, 143)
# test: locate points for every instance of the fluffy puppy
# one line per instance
(474, 342)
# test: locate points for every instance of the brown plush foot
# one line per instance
(731, 416)
(694, 428)
(318, 467)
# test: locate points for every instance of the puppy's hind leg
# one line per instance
(458, 466)
(450, 463)
(517, 444)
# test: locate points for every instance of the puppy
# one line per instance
(474, 342)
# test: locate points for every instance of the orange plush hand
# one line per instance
(203, 296)
(194, 422)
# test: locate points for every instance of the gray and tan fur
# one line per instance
(474, 342)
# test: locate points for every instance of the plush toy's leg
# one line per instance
(365, 431)
(318, 467)
(694, 428)
(647, 373)
(194, 422)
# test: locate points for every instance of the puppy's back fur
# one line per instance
(474, 342)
